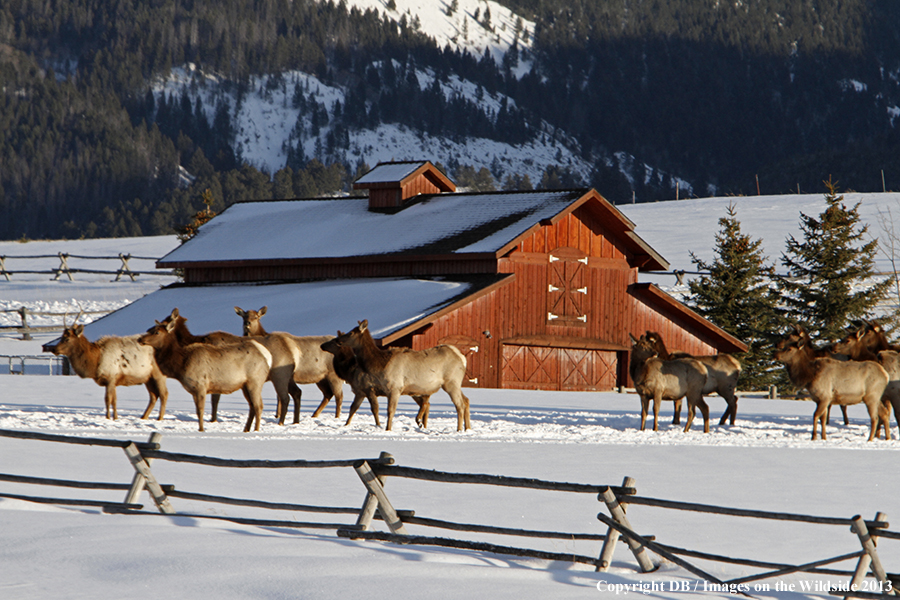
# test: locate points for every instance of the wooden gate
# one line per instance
(547, 368)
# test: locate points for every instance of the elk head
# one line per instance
(69, 337)
(252, 326)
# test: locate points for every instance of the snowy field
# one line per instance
(765, 462)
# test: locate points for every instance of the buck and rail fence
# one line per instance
(867, 579)
(64, 269)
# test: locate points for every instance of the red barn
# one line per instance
(538, 288)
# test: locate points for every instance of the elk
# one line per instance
(285, 356)
(411, 372)
(113, 361)
(658, 379)
(206, 369)
(722, 373)
(798, 335)
(831, 381)
(313, 365)
(890, 361)
(364, 385)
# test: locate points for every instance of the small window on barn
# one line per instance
(567, 292)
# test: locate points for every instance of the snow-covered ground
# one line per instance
(766, 462)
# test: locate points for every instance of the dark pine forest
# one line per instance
(720, 94)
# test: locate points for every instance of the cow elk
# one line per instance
(364, 385)
(831, 381)
(313, 365)
(113, 361)
(206, 369)
(722, 373)
(657, 379)
(411, 372)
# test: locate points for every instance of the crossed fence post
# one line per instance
(144, 477)
(376, 497)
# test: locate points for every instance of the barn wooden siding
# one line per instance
(509, 340)
(391, 195)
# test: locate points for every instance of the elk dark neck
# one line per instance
(85, 358)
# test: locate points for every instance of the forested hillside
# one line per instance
(712, 95)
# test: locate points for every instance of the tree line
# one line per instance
(721, 94)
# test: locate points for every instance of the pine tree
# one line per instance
(830, 270)
(735, 295)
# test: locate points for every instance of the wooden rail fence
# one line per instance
(374, 473)
(63, 268)
(26, 329)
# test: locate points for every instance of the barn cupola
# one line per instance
(392, 184)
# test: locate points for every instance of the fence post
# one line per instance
(23, 314)
(63, 267)
(137, 484)
(124, 270)
(156, 491)
(612, 537)
(870, 558)
(3, 270)
(617, 512)
(377, 497)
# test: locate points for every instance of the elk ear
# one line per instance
(363, 325)
(78, 329)
(634, 340)
(239, 311)
(170, 326)
(262, 311)
(174, 313)
(339, 333)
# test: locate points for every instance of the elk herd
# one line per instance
(221, 363)
(862, 368)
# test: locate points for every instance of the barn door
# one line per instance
(543, 368)
(567, 292)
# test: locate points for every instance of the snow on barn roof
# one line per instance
(452, 223)
(393, 171)
(314, 308)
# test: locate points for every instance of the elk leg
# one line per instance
(199, 401)
(731, 410)
(110, 399)
(468, 423)
(819, 419)
(704, 410)
(422, 415)
(645, 405)
(676, 416)
(393, 399)
(656, 403)
(296, 393)
(254, 399)
(151, 389)
(373, 405)
(330, 388)
(215, 408)
(459, 400)
(844, 410)
(354, 406)
(691, 411)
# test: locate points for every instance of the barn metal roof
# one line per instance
(393, 306)
(447, 224)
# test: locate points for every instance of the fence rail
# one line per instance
(374, 474)
(34, 365)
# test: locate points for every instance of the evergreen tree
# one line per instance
(735, 296)
(826, 267)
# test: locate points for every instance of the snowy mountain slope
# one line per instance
(265, 121)
(461, 30)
